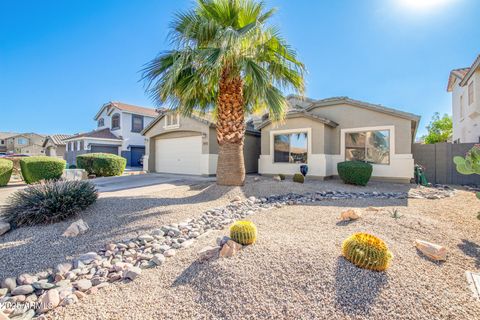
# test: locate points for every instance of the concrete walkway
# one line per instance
(110, 184)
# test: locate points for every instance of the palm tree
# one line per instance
(228, 61)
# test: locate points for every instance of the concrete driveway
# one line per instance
(110, 184)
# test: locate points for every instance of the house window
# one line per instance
(470, 93)
(2, 141)
(462, 108)
(115, 121)
(368, 146)
(22, 141)
(290, 148)
(171, 120)
(137, 123)
(101, 122)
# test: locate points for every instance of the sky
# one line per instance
(61, 60)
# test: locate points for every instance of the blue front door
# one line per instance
(136, 154)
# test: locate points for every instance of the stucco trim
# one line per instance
(473, 68)
(302, 114)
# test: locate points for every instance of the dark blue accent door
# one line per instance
(136, 154)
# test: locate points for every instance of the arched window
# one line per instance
(101, 122)
(115, 121)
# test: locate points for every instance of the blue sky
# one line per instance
(61, 60)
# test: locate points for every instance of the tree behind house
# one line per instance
(439, 129)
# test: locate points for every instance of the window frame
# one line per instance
(22, 139)
(273, 133)
(100, 122)
(119, 118)
(471, 96)
(137, 116)
(172, 116)
(391, 137)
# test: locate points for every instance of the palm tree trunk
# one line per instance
(230, 131)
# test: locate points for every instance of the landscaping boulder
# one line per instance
(49, 300)
(4, 227)
(76, 228)
(350, 215)
(208, 252)
(230, 248)
(75, 174)
(433, 251)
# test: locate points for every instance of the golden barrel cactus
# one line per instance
(367, 251)
(243, 232)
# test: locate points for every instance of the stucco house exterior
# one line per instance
(26, 143)
(321, 133)
(55, 145)
(464, 84)
(119, 127)
(3, 140)
(188, 145)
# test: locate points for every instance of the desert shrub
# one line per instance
(355, 172)
(102, 164)
(282, 176)
(39, 168)
(298, 177)
(367, 251)
(6, 169)
(49, 201)
(243, 232)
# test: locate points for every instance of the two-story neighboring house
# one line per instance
(464, 84)
(119, 127)
(3, 140)
(26, 143)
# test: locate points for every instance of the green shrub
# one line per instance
(39, 168)
(49, 201)
(102, 164)
(6, 169)
(367, 251)
(72, 166)
(298, 177)
(355, 172)
(243, 232)
(282, 176)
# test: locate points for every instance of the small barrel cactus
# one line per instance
(243, 232)
(367, 251)
(298, 177)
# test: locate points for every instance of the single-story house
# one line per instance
(188, 145)
(322, 133)
(54, 145)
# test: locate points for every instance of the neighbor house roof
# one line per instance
(454, 75)
(98, 134)
(462, 74)
(26, 135)
(294, 113)
(57, 139)
(5, 135)
(128, 108)
(475, 65)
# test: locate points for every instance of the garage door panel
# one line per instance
(179, 155)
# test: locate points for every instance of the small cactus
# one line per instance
(298, 177)
(282, 176)
(367, 251)
(243, 232)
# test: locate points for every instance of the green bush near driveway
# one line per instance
(6, 169)
(39, 168)
(299, 178)
(102, 164)
(49, 202)
(355, 172)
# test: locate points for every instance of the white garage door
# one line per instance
(178, 155)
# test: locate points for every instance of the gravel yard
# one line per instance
(293, 271)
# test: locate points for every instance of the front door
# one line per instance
(136, 154)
